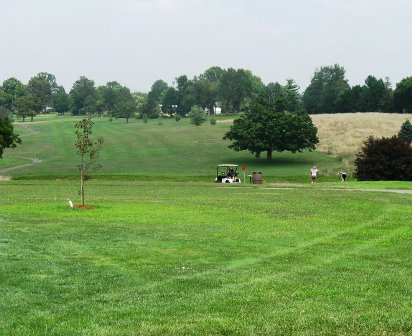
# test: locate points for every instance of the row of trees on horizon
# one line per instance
(230, 89)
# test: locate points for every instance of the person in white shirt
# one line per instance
(314, 174)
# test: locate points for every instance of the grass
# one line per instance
(204, 259)
(177, 150)
(139, 150)
(341, 135)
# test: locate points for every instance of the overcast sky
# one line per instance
(137, 42)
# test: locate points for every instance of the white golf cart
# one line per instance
(227, 173)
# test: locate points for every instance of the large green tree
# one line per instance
(154, 98)
(8, 139)
(327, 90)
(236, 86)
(84, 97)
(43, 85)
(402, 95)
(61, 100)
(27, 106)
(268, 127)
(170, 100)
(376, 95)
(107, 96)
(124, 104)
(10, 90)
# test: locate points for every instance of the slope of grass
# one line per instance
(204, 259)
(150, 150)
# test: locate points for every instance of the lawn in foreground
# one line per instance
(185, 258)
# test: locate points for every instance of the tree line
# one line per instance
(230, 89)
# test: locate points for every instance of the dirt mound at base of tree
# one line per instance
(83, 207)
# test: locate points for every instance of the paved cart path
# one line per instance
(33, 161)
(398, 191)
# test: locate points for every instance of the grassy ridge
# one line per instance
(138, 149)
(197, 258)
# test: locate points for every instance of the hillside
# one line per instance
(172, 148)
(180, 150)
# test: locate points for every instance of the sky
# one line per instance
(136, 42)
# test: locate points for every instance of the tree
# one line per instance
(61, 100)
(384, 159)
(140, 100)
(326, 91)
(235, 88)
(170, 99)
(268, 127)
(8, 139)
(84, 97)
(186, 95)
(375, 95)
(405, 133)
(292, 96)
(107, 96)
(42, 86)
(27, 106)
(88, 149)
(197, 115)
(289, 93)
(154, 98)
(10, 90)
(402, 96)
(124, 104)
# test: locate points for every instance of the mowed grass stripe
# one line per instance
(167, 258)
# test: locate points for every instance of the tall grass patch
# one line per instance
(341, 135)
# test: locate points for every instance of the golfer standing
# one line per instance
(314, 174)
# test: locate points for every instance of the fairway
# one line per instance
(204, 259)
(171, 150)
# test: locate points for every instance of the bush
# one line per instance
(212, 121)
(405, 133)
(197, 115)
(384, 159)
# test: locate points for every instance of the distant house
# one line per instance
(216, 110)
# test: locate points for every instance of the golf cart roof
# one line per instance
(227, 165)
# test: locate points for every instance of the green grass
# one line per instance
(138, 150)
(203, 259)
(11, 161)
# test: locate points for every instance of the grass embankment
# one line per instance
(138, 150)
(205, 259)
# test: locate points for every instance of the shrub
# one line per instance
(405, 133)
(197, 115)
(384, 159)
(212, 121)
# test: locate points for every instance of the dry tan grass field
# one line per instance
(341, 135)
